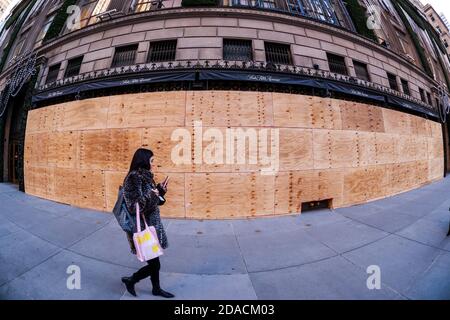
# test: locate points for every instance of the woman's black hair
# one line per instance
(141, 159)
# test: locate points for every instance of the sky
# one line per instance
(441, 6)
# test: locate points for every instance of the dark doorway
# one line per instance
(14, 138)
(13, 165)
(447, 144)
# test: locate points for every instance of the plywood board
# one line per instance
(159, 141)
(329, 149)
(229, 108)
(436, 130)
(296, 187)
(361, 117)
(363, 184)
(122, 146)
(63, 149)
(224, 195)
(84, 114)
(173, 208)
(298, 111)
(325, 113)
(66, 186)
(91, 189)
(36, 149)
(397, 122)
(335, 149)
(386, 148)
(435, 169)
(296, 149)
(175, 198)
(95, 149)
(366, 148)
(154, 109)
(41, 120)
(435, 148)
(113, 180)
(420, 126)
(292, 110)
(402, 177)
(406, 148)
(421, 147)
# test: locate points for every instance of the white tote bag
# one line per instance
(146, 241)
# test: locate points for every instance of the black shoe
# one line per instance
(162, 293)
(129, 283)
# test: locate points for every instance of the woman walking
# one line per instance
(140, 187)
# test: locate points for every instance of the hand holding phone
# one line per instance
(165, 182)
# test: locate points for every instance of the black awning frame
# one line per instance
(236, 75)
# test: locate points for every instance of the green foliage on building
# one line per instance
(423, 24)
(14, 34)
(59, 21)
(358, 15)
(13, 18)
(415, 38)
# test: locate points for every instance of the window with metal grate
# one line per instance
(237, 50)
(392, 81)
(53, 72)
(361, 70)
(278, 53)
(147, 5)
(116, 5)
(124, 56)
(430, 101)
(73, 67)
(405, 86)
(422, 95)
(337, 64)
(162, 51)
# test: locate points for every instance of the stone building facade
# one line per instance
(297, 47)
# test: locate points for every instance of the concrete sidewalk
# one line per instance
(318, 255)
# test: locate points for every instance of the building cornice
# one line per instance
(230, 12)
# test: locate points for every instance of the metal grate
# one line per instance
(337, 64)
(405, 87)
(317, 205)
(147, 5)
(430, 102)
(116, 5)
(125, 56)
(278, 53)
(53, 72)
(73, 67)
(361, 71)
(237, 50)
(162, 51)
(392, 81)
(422, 95)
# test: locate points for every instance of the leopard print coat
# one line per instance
(137, 189)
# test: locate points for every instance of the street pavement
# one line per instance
(317, 255)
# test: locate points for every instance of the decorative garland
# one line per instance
(27, 106)
(59, 21)
(359, 17)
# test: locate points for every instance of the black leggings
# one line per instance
(150, 270)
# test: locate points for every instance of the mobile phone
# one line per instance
(166, 181)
